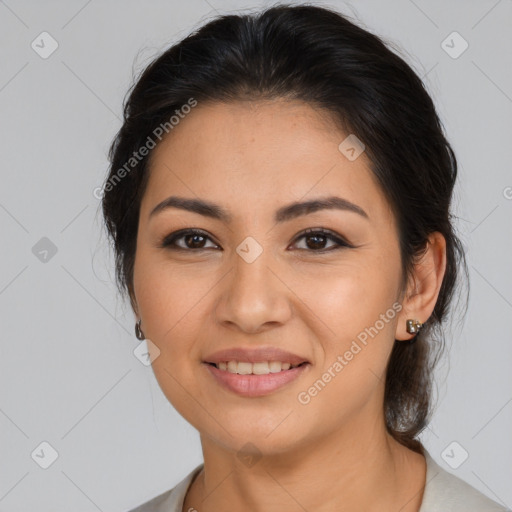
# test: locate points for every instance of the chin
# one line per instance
(259, 438)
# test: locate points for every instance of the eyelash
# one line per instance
(169, 241)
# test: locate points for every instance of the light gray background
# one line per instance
(68, 374)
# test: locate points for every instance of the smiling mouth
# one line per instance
(258, 368)
(251, 380)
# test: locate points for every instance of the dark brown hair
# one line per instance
(317, 55)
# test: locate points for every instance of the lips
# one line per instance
(252, 386)
(255, 355)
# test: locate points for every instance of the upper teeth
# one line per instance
(260, 368)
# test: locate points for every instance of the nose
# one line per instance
(254, 297)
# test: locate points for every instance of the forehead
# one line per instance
(257, 153)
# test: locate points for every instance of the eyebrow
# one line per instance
(285, 213)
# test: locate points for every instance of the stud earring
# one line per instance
(138, 331)
(413, 327)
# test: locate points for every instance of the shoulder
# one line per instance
(171, 500)
(444, 492)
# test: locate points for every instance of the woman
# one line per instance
(278, 200)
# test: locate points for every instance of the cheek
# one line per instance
(357, 309)
(171, 306)
(350, 297)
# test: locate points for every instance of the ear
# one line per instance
(424, 285)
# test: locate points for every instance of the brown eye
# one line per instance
(317, 238)
(193, 239)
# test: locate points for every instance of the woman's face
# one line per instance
(253, 281)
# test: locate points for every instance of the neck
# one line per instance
(353, 470)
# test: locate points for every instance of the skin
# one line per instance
(333, 453)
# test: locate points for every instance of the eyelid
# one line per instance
(340, 240)
(168, 241)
